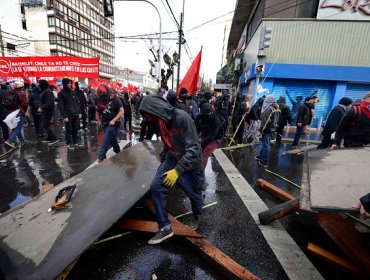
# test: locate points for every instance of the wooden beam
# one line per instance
(279, 211)
(222, 262)
(149, 226)
(275, 191)
(333, 259)
(347, 238)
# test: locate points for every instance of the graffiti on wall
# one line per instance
(296, 92)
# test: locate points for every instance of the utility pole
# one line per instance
(180, 43)
(1, 42)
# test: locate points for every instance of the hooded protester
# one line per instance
(83, 105)
(304, 119)
(269, 122)
(354, 127)
(70, 111)
(285, 118)
(253, 121)
(181, 162)
(333, 120)
(33, 106)
(47, 110)
(210, 126)
(91, 104)
(182, 101)
(127, 117)
(109, 113)
(172, 97)
(223, 106)
(238, 119)
(207, 96)
(13, 100)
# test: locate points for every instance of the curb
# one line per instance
(294, 262)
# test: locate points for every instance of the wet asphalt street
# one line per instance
(227, 225)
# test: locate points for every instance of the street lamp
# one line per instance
(158, 72)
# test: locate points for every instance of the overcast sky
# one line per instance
(134, 18)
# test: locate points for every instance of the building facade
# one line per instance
(311, 52)
(68, 28)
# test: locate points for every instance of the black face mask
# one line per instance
(183, 97)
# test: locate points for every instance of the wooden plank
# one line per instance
(38, 245)
(333, 259)
(275, 191)
(222, 262)
(149, 226)
(279, 211)
(347, 238)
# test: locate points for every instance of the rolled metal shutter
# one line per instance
(295, 90)
(356, 91)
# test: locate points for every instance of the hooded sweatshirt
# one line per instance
(68, 101)
(46, 98)
(181, 132)
(269, 114)
(355, 126)
(285, 115)
(335, 116)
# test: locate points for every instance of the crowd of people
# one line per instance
(191, 126)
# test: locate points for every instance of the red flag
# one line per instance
(190, 81)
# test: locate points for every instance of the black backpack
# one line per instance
(10, 100)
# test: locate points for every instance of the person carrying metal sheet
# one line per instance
(181, 162)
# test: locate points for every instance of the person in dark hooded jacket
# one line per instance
(83, 105)
(47, 110)
(210, 126)
(127, 116)
(70, 111)
(207, 96)
(238, 119)
(181, 162)
(333, 120)
(253, 121)
(354, 128)
(284, 119)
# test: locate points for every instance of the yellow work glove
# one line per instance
(171, 178)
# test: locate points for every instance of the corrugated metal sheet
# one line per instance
(356, 91)
(295, 92)
(323, 42)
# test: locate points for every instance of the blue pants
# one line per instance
(190, 181)
(264, 148)
(109, 139)
(17, 132)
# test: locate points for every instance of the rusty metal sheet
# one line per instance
(35, 244)
(337, 178)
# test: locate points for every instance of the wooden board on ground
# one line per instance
(348, 240)
(301, 149)
(337, 178)
(35, 244)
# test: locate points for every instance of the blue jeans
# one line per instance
(109, 139)
(264, 148)
(17, 132)
(190, 181)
